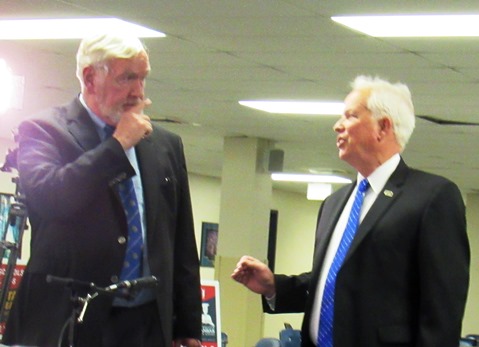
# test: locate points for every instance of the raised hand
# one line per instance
(133, 125)
(255, 275)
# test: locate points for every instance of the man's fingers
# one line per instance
(148, 127)
(140, 106)
(147, 102)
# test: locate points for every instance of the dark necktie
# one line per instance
(326, 318)
(133, 256)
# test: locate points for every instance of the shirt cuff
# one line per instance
(271, 301)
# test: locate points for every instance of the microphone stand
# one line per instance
(80, 304)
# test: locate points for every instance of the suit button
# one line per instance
(114, 279)
(122, 240)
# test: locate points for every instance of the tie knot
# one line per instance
(109, 130)
(363, 185)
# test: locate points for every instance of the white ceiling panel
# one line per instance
(219, 52)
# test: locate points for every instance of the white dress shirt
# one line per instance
(377, 181)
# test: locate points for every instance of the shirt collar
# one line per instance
(99, 124)
(377, 180)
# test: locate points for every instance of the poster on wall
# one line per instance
(12, 291)
(210, 319)
(209, 244)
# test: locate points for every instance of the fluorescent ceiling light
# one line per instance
(413, 25)
(73, 28)
(309, 178)
(297, 107)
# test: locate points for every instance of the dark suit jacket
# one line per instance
(404, 281)
(68, 176)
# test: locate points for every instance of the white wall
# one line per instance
(6, 185)
(205, 198)
(294, 247)
(471, 318)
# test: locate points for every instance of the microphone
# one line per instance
(140, 283)
(69, 282)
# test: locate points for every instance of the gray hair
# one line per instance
(98, 49)
(389, 100)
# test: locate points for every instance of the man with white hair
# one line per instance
(391, 258)
(108, 200)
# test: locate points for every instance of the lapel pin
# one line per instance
(388, 193)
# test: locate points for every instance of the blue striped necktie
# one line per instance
(326, 318)
(132, 265)
(133, 256)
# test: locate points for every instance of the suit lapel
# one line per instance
(328, 218)
(145, 152)
(386, 198)
(330, 214)
(333, 210)
(80, 125)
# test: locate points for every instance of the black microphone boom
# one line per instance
(69, 282)
(140, 283)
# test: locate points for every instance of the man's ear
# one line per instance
(89, 78)
(385, 126)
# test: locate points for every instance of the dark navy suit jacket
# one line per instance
(79, 228)
(404, 281)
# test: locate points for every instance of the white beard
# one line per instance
(113, 115)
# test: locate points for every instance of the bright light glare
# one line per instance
(319, 191)
(309, 178)
(6, 86)
(73, 28)
(413, 25)
(297, 107)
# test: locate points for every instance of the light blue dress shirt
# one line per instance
(144, 295)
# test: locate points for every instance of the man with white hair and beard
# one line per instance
(74, 162)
